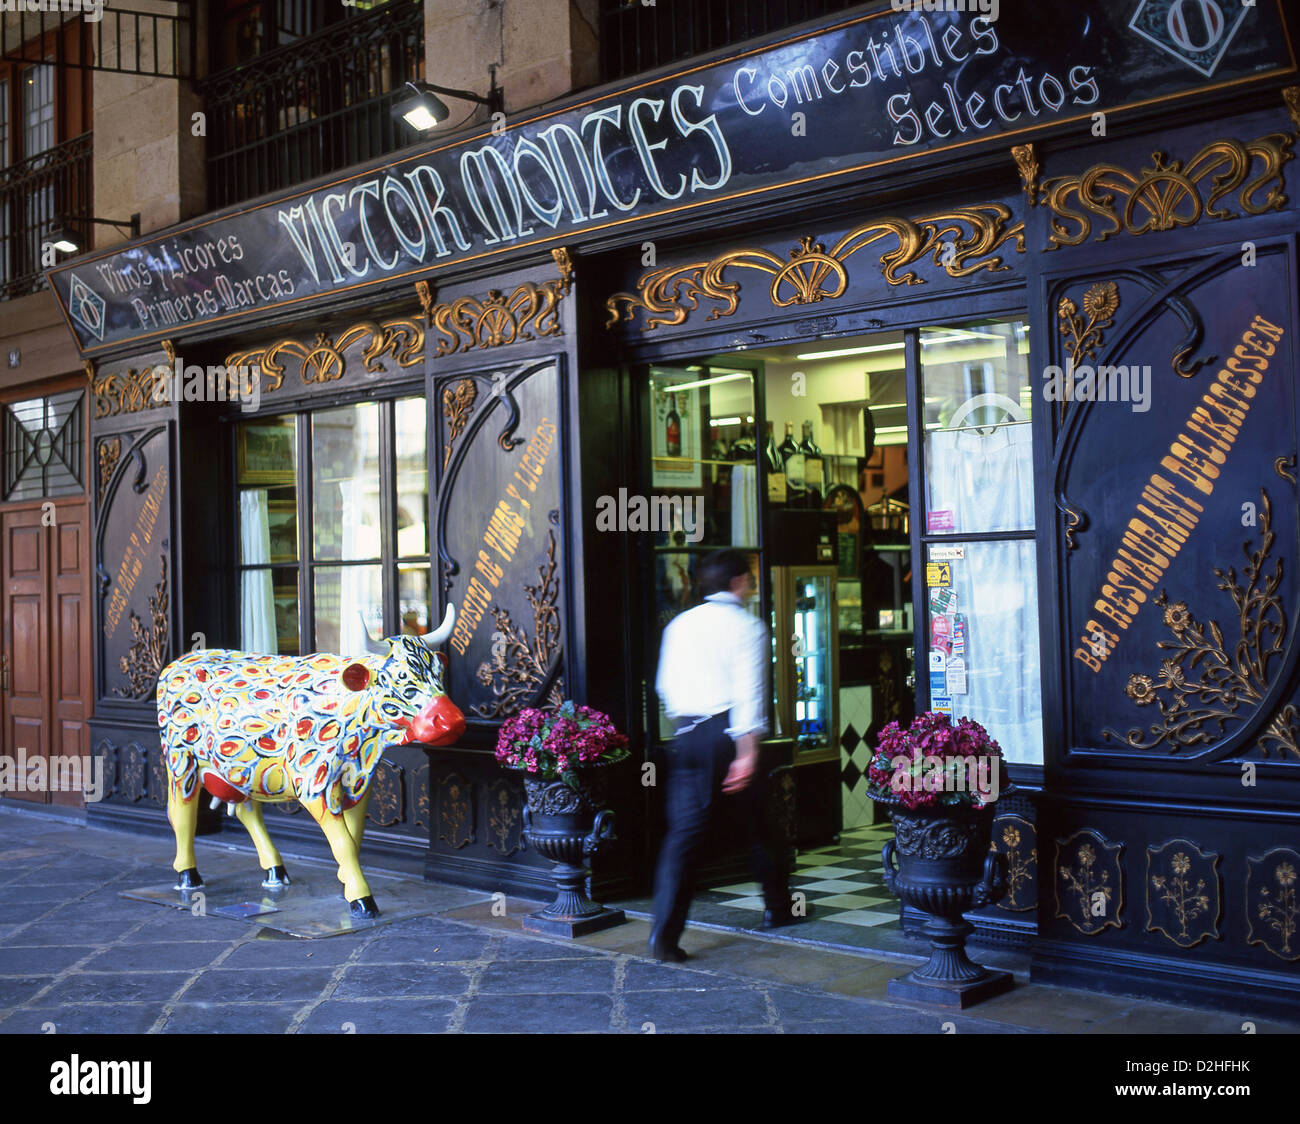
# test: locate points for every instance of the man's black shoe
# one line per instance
(666, 955)
(775, 920)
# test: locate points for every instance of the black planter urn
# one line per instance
(945, 868)
(566, 825)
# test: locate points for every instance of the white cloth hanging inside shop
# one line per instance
(744, 505)
(984, 479)
(257, 594)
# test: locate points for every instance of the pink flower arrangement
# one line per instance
(553, 745)
(934, 762)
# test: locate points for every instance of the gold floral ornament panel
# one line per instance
(325, 359)
(519, 665)
(529, 312)
(110, 452)
(1108, 199)
(961, 242)
(1184, 893)
(1017, 839)
(455, 811)
(386, 798)
(148, 652)
(1084, 331)
(1089, 882)
(1208, 682)
(505, 818)
(127, 391)
(457, 403)
(1272, 907)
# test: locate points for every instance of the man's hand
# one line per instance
(742, 768)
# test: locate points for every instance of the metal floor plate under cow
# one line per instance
(310, 906)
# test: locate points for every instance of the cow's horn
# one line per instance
(378, 647)
(433, 639)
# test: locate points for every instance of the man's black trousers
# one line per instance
(697, 764)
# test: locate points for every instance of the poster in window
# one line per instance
(282, 520)
(265, 452)
(676, 445)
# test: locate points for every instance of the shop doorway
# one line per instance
(883, 485)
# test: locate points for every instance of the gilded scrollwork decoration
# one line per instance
(1272, 906)
(1285, 468)
(962, 241)
(520, 666)
(1291, 97)
(419, 787)
(126, 391)
(1107, 199)
(427, 294)
(148, 652)
(1017, 839)
(132, 769)
(1203, 684)
(325, 358)
(530, 311)
(1075, 521)
(110, 452)
(457, 403)
(1026, 158)
(1089, 882)
(1184, 893)
(505, 818)
(455, 811)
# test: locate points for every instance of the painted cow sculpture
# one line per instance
(254, 729)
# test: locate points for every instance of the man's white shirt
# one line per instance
(713, 659)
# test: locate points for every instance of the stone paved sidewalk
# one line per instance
(75, 954)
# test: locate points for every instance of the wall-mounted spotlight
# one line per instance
(423, 110)
(63, 234)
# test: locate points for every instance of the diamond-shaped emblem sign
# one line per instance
(86, 306)
(1196, 31)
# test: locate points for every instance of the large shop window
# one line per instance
(981, 581)
(334, 539)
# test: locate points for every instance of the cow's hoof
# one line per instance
(188, 879)
(277, 878)
(363, 907)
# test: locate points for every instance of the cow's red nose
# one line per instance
(439, 723)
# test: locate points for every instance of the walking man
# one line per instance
(713, 685)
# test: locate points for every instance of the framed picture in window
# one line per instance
(286, 619)
(282, 519)
(264, 452)
(677, 445)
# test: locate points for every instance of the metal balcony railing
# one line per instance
(636, 36)
(316, 105)
(35, 193)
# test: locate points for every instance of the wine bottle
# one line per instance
(814, 476)
(794, 468)
(743, 448)
(776, 490)
(673, 428)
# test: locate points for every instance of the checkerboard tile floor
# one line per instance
(842, 881)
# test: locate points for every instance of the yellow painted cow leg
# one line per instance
(250, 815)
(344, 848)
(184, 817)
(355, 819)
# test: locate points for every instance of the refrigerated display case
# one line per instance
(805, 674)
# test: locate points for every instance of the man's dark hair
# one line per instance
(720, 568)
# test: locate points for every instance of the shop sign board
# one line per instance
(863, 93)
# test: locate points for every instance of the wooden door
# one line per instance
(68, 630)
(46, 688)
(26, 626)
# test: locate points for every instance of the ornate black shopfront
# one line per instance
(1146, 221)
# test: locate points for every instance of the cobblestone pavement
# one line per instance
(75, 954)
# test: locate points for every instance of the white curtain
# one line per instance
(985, 480)
(354, 581)
(257, 595)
